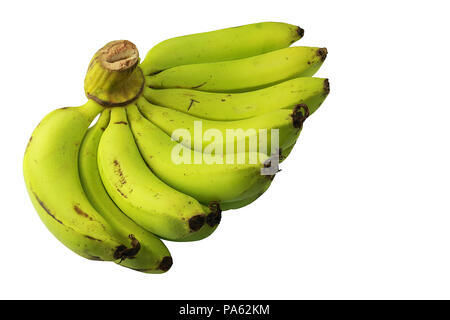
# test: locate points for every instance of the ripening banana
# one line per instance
(51, 174)
(246, 201)
(284, 153)
(152, 256)
(239, 135)
(135, 189)
(237, 106)
(202, 176)
(243, 74)
(221, 45)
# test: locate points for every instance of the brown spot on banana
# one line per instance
(192, 103)
(118, 171)
(91, 257)
(81, 212)
(122, 252)
(92, 238)
(200, 85)
(121, 193)
(47, 210)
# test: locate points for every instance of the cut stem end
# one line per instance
(113, 77)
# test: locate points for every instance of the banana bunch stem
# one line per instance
(113, 77)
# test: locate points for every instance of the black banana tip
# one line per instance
(299, 115)
(214, 218)
(196, 222)
(326, 86)
(165, 264)
(322, 53)
(300, 32)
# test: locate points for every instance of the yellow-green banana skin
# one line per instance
(153, 256)
(237, 106)
(206, 182)
(51, 174)
(250, 199)
(220, 45)
(147, 200)
(245, 202)
(243, 74)
(170, 121)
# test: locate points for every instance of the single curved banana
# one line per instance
(147, 200)
(220, 45)
(243, 74)
(237, 106)
(51, 175)
(245, 202)
(152, 256)
(236, 136)
(284, 153)
(193, 173)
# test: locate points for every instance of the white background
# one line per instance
(361, 208)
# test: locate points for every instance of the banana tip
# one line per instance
(326, 86)
(299, 115)
(215, 216)
(196, 222)
(165, 264)
(322, 53)
(300, 32)
(213, 219)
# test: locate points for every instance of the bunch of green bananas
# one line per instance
(110, 191)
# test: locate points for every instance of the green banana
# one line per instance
(153, 256)
(245, 202)
(288, 122)
(284, 153)
(243, 74)
(237, 106)
(204, 181)
(51, 175)
(137, 191)
(226, 44)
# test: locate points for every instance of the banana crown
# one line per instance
(113, 78)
